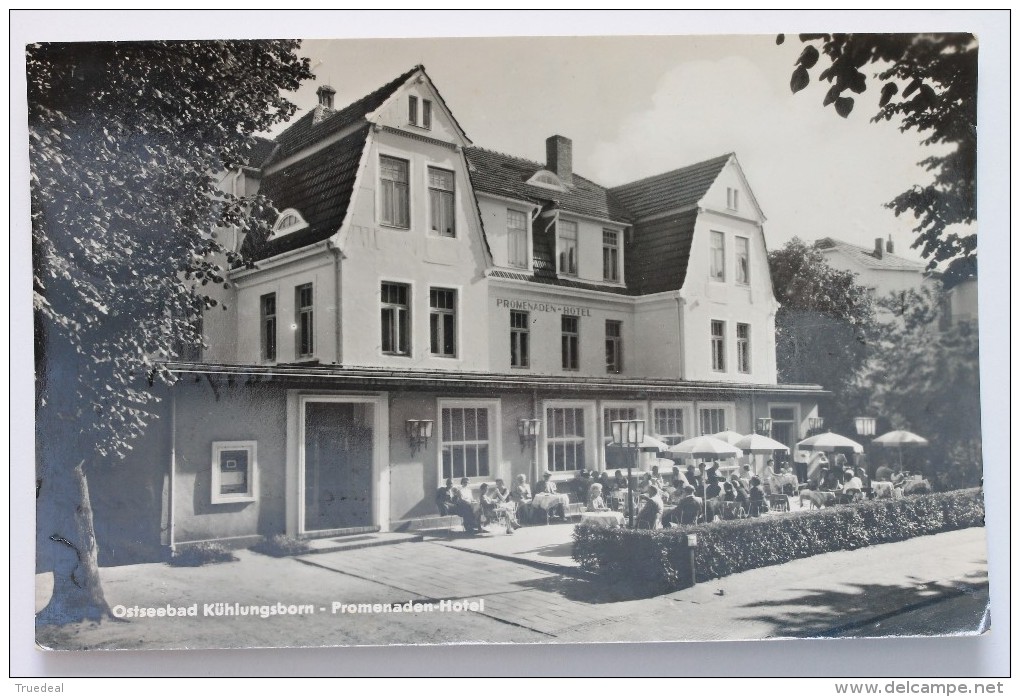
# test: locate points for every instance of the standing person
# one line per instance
(756, 499)
(650, 516)
(689, 509)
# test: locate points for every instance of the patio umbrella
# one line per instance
(900, 440)
(831, 443)
(730, 437)
(757, 444)
(706, 447)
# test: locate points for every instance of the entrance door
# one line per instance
(338, 465)
(784, 420)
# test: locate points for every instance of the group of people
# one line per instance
(509, 505)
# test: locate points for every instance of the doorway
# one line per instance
(339, 452)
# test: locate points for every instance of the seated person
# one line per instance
(688, 509)
(521, 495)
(852, 486)
(757, 503)
(501, 492)
(467, 508)
(745, 476)
(656, 478)
(619, 481)
(650, 516)
(549, 499)
(494, 509)
(595, 500)
(446, 498)
(884, 474)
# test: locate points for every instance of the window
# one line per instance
(744, 348)
(743, 260)
(718, 346)
(669, 424)
(718, 257)
(566, 245)
(395, 204)
(732, 199)
(306, 327)
(234, 471)
(520, 338)
(610, 255)
(426, 113)
(396, 331)
(517, 238)
(441, 201)
(713, 420)
(465, 448)
(267, 322)
(614, 346)
(412, 110)
(564, 429)
(569, 325)
(611, 414)
(443, 322)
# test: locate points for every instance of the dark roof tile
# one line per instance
(671, 190)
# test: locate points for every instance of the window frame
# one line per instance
(385, 305)
(565, 347)
(732, 199)
(717, 274)
(303, 314)
(589, 440)
(406, 164)
(562, 248)
(686, 418)
(412, 109)
(442, 195)
(520, 340)
(743, 348)
(617, 343)
(426, 114)
(525, 264)
(745, 254)
(720, 340)
(614, 251)
(494, 440)
(444, 312)
(216, 472)
(729, 415)
(269, 335)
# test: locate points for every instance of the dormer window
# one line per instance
(289, 221)
(547, 180)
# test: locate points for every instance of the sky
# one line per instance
(638, 106)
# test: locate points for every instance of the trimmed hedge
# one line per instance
(654, 562)
(281, 546)
(202, 553)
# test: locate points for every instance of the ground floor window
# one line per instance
(668, 422)
(233, 471)
(565, 439)
(466, 448)
(713, 420)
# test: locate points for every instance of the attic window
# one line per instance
(289, 221)
(547, 180)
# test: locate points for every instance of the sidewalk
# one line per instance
(532, 594)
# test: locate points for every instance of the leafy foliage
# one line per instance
(823, 326)
(929, 85)
(281, 546)
(201, 554)
(653, 562)
(127, 143)
(924, 377)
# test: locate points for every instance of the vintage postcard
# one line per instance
(506, 340)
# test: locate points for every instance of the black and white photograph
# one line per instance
(507, 340)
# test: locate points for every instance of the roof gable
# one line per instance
(866, 257)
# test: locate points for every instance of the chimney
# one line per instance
(325, 94)
(559, 158)
(879, 244)
(888, 246)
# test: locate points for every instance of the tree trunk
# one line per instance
(77, 590)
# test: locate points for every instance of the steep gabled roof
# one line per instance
(306, 131)
(669, 191)
(866, 257)
(504, 175)
(320, 187)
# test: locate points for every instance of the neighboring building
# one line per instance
(961, 302)
(414, 280)
(878, 269)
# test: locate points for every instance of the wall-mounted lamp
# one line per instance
(864, 425)
(764, 425)
(419, 431)
(528, 430)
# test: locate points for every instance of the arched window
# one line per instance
(547, 180)
(289, 221)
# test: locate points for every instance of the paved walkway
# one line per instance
(829, 595)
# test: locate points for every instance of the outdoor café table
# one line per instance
(548, 501)
(602, 519)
